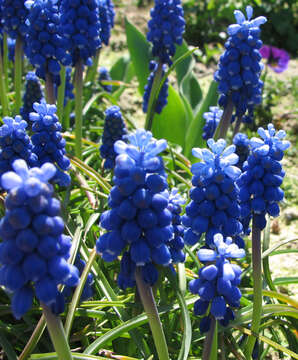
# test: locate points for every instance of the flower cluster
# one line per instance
(45, 47)
(34, 251)
(105, 75)
(262, 176)
(166, 28)
(106, 17)
(114, 129)
(212, 118)
(139, 217)
(80, 26)
(14, 14)
(163, 94)
(277, 59)
(241, 142)
(214, 206)
(15, 143)
(32, 94)
(217, 282)
(49, 146)
(87, 292)
(176, 244)
(240, 66)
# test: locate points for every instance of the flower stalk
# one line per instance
(78, 84)
(210, 344)
(18, 73)
(150, 307)
(5, 59)
(225, 121)
(60, 97)
(49, 86)
(3, 92)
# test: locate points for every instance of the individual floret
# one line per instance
(163, 94)
(212, 118)
(214, 204)
(80, 26)
(218, 282)
(33, 93)
(166, 28)
(15, 144)
(139, 222)
(240, 66)
(105, 75)
(34, 251)
(49, 145)
(262, 176)
(114, 129)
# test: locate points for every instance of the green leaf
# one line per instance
(122, 70)
(276, 246)
(139, 50)
(195, 129)
(171, 123)
(266, 268)
(286, 280)
(77, 356)
(275, 295)
(7, 347)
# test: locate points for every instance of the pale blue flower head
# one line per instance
(242, 23)
(10, 125)
(44, 112)
(219, 158)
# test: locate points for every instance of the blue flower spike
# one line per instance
(240, 66)
(139, 223)
(13, 15)
(105, 75)
(218, 282)
(34, 251)
(106, 16)
(49, 145)
(212, 118)
(214, 204)
(262, 176)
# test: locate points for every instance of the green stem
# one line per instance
(60, 97)
(5, 59)
(3, 93)
(92, 71)
(225, 121)
(257, 288)
(57, 334)
(36, 335)
(78, 83)
(77, 294)
(210, 344)
(153, 97)
(66, 115)
(150, 308)
(49, 86)
(18, 73)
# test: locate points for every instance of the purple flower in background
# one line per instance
(277, 59)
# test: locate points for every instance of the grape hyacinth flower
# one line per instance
(239, 69)
(212, 118)
(277, 59)
(262, 176)
(15, 144)
(162, 99)
(218, 282)
(33, 93)
(166, 28)
(34, 250)
(80, 26)
(214, 204)
(176, 244)
(114, 129)
(106, 17)
(49, 146)
(105, 75)
(13, 15)
(139, 222)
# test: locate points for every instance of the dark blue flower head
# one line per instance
(14, 15)
(114, 129)
(218, 281)
(49, 145)
(34, 251)
(214, 204)
(212, 118)
(80, 26)
(163, 94)
(240, 66)
(166, 28)
(105, 75)
(260, 182)
(45, 47)
(15, 143)
(33, 93)
(106, 17)
(139, 221)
